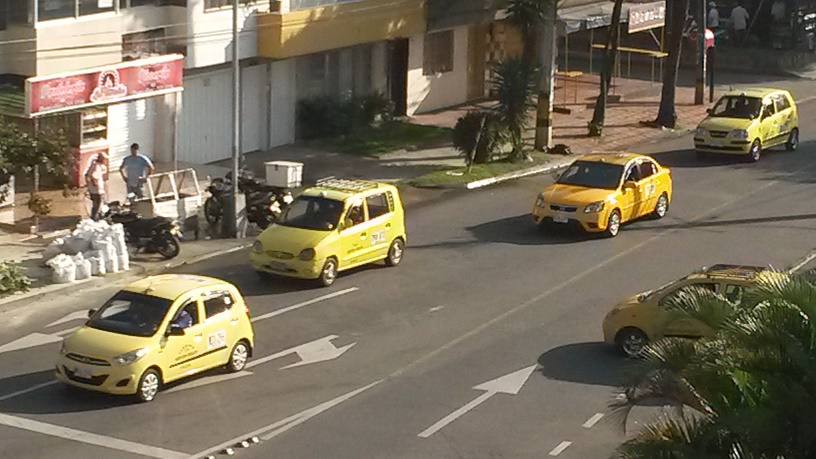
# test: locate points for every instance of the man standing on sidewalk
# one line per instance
(95, 178)
(135, 169)
(739, 17)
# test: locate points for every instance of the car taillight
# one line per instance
(246, 308)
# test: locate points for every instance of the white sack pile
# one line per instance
(92, 249)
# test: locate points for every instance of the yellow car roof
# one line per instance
(753, 92)
(622, 158)
(170, 286)
(726, 271)
(342, 189)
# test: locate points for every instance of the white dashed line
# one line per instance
(560, 448)
(593, 420)
(305, 303)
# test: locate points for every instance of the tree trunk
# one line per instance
(610, 55)
(666, 114)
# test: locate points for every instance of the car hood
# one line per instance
(289, 239)
(577, 195)
(103, 344)
(725, 124)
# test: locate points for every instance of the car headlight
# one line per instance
(63, 348)
(738, 134)
(307, 254)
(594, 207)
(257, 246)
(700, 133)
(130, 357)
(540, 200)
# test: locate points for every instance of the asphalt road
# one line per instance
(481, 294)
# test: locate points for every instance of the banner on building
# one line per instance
(136, 79)
(647, 16)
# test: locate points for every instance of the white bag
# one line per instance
(111, 263)
(64, 269)
(83, 267)
(53, 249)
(124, 261)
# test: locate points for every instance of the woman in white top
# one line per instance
(95, 178)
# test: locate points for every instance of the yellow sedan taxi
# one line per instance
(748, 121)
(646, 317)
(157, 330)
(600, 191)
(334, 226)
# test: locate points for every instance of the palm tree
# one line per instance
(609, 57)
(748, 391)
(666, 114)
(515, 84)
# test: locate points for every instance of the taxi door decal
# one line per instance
(217, 340)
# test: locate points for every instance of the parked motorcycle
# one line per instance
(151, 235)
(264, 203)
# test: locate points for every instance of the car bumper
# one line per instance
(593, 222)
(289, 268)
(118, 380)
(735, 147)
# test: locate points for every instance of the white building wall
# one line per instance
(282, 102)
(254, 107)
(431, 92)
(212, 31)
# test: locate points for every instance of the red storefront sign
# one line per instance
(126, 81)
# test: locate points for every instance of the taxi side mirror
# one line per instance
(175, 330)
(556, 175)
(629, 185)
(347, 223)
(91, 312)
(710, 111)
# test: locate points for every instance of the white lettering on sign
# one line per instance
(647, 16)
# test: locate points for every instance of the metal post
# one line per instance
(711, 52)
(699, 88)
(591, 49)
(236, 119)
(546, 87)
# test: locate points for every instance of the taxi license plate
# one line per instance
(277, 266)
(560, 218)
(83, 373)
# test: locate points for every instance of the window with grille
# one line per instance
(438, 53)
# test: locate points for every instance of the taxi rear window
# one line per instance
(131, 313)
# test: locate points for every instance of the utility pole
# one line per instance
(546, 87)
(232, 217)
(699, 88)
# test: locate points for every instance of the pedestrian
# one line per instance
(95, 177)
(739, 17)
(135, 169)
(713, 20)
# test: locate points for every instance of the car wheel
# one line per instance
(395, 252)
(238, 357)
(149, 385)
(329, 273)
(755, 151)
(631, 341)
(613, 223)
(662, 206)
(793, 140)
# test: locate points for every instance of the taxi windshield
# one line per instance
(592, 174)
(313, 212)
(743, 107)
(131, 313)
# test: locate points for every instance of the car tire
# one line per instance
(149, 385)
(613, 224)
(755, 151)
(631, 341)
(239, 355)
(793, 140)
(661, 207)
(395, 252)
(329, 273)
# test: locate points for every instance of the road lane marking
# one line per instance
(31, 340)
(66, 331)
(78, 315)
(25, 391)
(205, 381)
(593, 420)
(315, 351)
(560, 448)
(802, 263)
(279, 427)
(89, 438)
(305, 303)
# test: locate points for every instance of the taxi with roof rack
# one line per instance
(158, 330)
(748, 121)
(599, 192)
(336, 225)
(647, 316)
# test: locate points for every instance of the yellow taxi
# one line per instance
(157, 330)
(600, 191)
(748, 121)
(646, 317)
(334, 226)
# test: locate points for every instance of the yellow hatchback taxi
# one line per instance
(334, 226)
(748, 121)
(600, 191)
(645, 317)
(157, 330)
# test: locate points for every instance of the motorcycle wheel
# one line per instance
(212, 211)
(169, 247)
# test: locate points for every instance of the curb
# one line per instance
(544, 168)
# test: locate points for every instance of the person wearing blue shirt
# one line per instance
(135, 169)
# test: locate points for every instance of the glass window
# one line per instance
(312, 212)
(131, 313)
(87, 7)
(438, 53)
(782, 103)
(647, 169)
(377, 205)
(217, 303)
(13, 12)
(56, 9)
(187, 315)
(355, 214)
(733, 293)
(737, 107)
(682, 290)
(215, 4)
(592, 174)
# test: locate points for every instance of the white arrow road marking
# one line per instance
(560, 448)
(70, 317)
(305, 303)
(593, 420)
(279, 427)
(66, 331)
(507, 384)
(207, 380)
(25, 391)
(316, 351)
(89, 438)
(32, 340)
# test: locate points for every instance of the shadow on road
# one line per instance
(586, 363)
(521, 230)
(56, 398)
